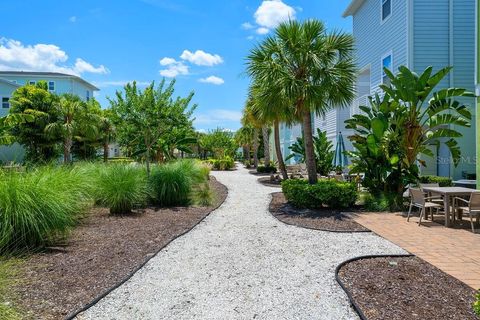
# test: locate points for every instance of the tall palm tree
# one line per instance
(107, 134)
(312, 68)
(244, 138)
(271, 107)
(72, 116)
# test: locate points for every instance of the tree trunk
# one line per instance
(105, 152)
(67, 146)
(278, 150)
(255, 147)
(266, 144)
(147, 161)
(309, 152)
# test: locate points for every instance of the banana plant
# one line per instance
(396, 129)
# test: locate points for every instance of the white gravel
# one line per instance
(242, 263)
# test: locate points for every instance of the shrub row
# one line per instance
(40, 205)
(332, 193)
(442, 181)
(222, 164)
(267, 168)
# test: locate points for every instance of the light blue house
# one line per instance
(417, 34)
(58, 83)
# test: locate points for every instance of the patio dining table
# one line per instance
(448, 193)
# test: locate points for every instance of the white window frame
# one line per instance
(7, 102)
(388, 54)
(382, 20)
(54, 86)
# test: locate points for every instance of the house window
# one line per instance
(386, 9)
(51, 85)
(88, 95)
(32, 83)
(5, 102)
(386, 63)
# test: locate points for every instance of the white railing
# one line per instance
(360, 101)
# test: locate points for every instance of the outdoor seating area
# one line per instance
(451, 202)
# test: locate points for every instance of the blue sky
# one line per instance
(112, 42)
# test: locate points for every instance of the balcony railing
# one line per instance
(360, 101)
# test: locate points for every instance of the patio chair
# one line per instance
(435, 198)
(419, 200)
(473, 207)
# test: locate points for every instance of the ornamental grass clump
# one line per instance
(170, 185)
(121, 188)
(41, 205)
(180, 183)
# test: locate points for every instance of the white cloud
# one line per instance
(262, 30)
(272, 12)
(201, 58)
(247, 26)
(217, 117)
(119, 83)
(82, 66)
(213, 80)
(15, 56)
(72, 19)
(250, 37)
(173, 68)
(167, 61)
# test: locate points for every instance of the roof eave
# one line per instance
(352, 8)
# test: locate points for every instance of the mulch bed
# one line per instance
(101, 252)
(321, 219)
(255, 173)
(406, 288)
(269, 183)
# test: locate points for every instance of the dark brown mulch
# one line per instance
(320, 219)
(101, 252)
(269, 183)
(255, 173)
(406, 288)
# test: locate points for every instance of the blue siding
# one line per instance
(374, 38)
(442, 38)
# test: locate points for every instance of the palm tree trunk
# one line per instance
(278, 150)
(255, 147)
(105, 152)
(266, 144)
(309, 152)
(67, 146)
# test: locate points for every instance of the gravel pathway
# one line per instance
(242, 263)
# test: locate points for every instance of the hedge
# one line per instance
(327, 192)
(442, 181)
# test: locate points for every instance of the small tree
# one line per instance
(143, 117)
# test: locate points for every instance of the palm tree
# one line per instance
(107, 133)
(72, 116)
(244, 137)
(271, 107)
(249, 119)
(312, 68)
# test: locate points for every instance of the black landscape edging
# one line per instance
(310, 228)
(357, 309)
(131, 274)
(266, 184)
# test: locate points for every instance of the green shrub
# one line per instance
(442, 181)
(268, 168)
(40, 205)
(476, 305)
(222, 164)
(332, 193)
(121, 160)
(378, 204)
(121, 187)
(170, 185)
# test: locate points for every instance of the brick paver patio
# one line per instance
(456, 252)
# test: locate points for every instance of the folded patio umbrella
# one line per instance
(340, 158)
